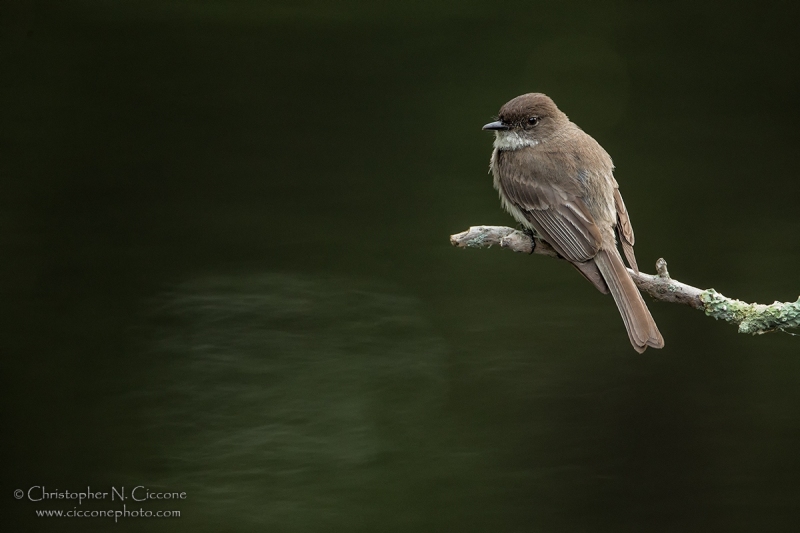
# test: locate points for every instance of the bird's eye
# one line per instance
(533, 121)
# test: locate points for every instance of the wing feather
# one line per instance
(561, 217)
(625, 230)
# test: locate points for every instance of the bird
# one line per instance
(558, 182)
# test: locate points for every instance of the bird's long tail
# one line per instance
(642, 329)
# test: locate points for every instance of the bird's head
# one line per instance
(526, 120)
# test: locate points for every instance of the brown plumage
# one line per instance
(558, 181)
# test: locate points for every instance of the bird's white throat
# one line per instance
(510, 140)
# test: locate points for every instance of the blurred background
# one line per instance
(226, 269)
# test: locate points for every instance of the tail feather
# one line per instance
(642, 329)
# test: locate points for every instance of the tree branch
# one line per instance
(754, 319)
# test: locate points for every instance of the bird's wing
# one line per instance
(625, 230)
(560, 216)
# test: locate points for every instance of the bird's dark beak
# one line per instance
(496, 126)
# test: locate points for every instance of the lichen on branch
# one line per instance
(755, 319)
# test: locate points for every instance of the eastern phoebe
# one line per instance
(558, 182)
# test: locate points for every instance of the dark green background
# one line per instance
(225, 267)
